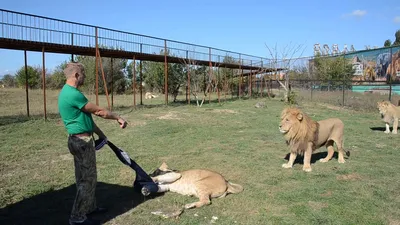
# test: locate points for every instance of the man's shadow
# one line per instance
(54, 206)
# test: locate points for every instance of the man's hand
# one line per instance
(122, 123)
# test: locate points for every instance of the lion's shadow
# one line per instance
(381, 128)
(314, 157)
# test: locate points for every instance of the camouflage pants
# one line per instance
(82, 148)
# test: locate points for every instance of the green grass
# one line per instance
(236, 139)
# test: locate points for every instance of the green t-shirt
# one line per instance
(70, 103)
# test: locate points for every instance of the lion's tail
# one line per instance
(234, 188)
(347, 152)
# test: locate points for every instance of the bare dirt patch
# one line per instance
(230, 111)
(169, 116)
(327, 194)
(317, 205)
(352, 176)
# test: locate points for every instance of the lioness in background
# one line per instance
(204, 184)
(390, 114)
(304, 136)
(149, 95)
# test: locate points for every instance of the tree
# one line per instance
(284, 59)
(334, 70)
(387, 43)
(228, 75)
(397, 40)
(117, 82)
(8, 80)
(119, 79)
(33, 77)
(57, 79)
(153, 75)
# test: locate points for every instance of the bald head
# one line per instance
(73, 68)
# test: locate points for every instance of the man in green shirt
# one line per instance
(76, 112)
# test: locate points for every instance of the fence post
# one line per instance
(44, 84)
(312, 87)
(390, 77)
(165, 73)
(72, 43)
(343, 92)
(26, 84)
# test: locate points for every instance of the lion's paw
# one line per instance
(307, 168)
(341, 161)
(387, 132)
(394, 132)
(189, 206)
(324, 160)
(286, 165)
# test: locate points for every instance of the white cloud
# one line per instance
(396, 19)
(359, 13)
(356, 13)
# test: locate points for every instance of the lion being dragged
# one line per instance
(204, 184)
(390, 114)
(304, 136)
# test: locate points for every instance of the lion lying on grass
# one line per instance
(204, 184)
(304, 136)
(149, 95)
(390, 114)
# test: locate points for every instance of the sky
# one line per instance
(241, 26)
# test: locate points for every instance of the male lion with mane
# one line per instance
(304, 136)
(390, 114)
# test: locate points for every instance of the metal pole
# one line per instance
(104, 81)
(188, 89)
(209, 75)
(141, 82)
(96, 74)
(134, 81)
(141, 79)
(188, 78)
(312, 87)
(72, 43)
(390, 77)
(112, 84)
(165, 73)
(251, 77)
(26, 84)
(240, 77)
(44, 84)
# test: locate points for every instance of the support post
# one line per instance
(134, 81)
(209, 75)
(165, 73)
(104, 81)
(44, 84)
(141, 79)
(97, 70)
(393, 74)
(72, 43)
(188, 84)
(112, 84)
(188, 78)
(251, 77)
(26, 84)
(141, 82)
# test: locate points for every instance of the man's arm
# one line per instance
(103, 113)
